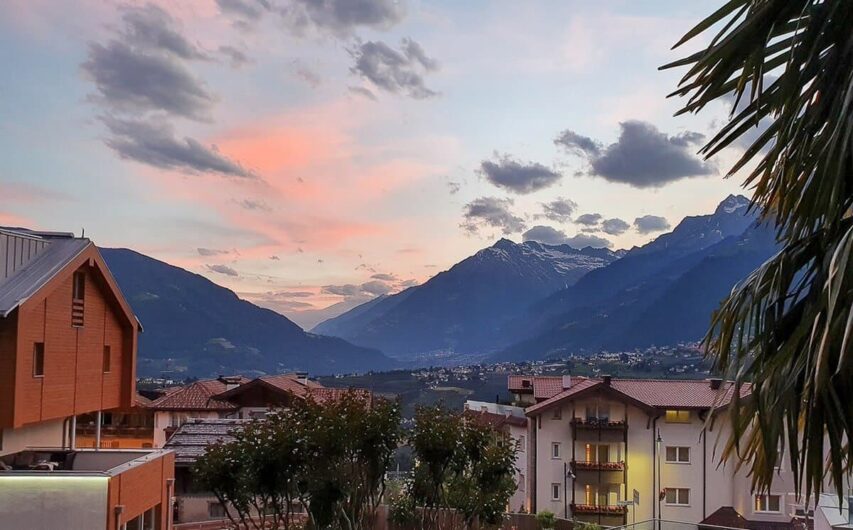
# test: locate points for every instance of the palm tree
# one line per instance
(788, 327)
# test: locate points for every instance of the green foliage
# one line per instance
(460, 466)
(331, 457)
(788, 328)
(546, 520)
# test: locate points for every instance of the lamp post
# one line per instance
(658, 441)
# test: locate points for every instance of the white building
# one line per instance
(596, 443)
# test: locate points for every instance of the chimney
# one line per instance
(230, 382)
(607, 379)
(567, 382)
(302, 377)
(715, 383)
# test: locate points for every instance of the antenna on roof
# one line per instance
(83, 234)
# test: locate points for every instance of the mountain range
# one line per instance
(193, 326)
(528, 301)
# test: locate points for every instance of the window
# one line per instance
(678, 496)
(677, 416)
(558, 414)
(521, 482)
(555, 491)
(597, 453)
(38, 359)
(597, 412)
(678, 455)
(555, 450)
(522, 442)
(768, 503)
(107, 359)
(215, 510)
(79, 289)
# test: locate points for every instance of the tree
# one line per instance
(788, 327)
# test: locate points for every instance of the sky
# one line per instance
(313, 154)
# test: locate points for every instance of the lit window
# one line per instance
(768, 503)
(555, 492)
(555, 450)
(107, 359)
(678, 416)
(678, 496)
(678, 455)
(38, 359)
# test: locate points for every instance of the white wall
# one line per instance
(43, 434)
(165, 419)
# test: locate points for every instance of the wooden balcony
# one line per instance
(581, 465)
(598, 509)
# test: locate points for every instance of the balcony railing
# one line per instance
(599, 509)
(599, 423)
(123, 431)
(582, 465)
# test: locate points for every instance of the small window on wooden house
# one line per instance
(38, 359)
(77, 299)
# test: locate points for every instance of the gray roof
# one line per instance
(191, 439)
(34, 274)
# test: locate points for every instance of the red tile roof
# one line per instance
(495, 420)
(653, 393)
(542, 386)
(195, 396)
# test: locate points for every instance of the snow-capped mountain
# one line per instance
(464, 308)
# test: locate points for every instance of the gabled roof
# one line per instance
(190, 440)
(201, 395)
(495, 420)
(57, 251)
(650, 394)
(728, 517)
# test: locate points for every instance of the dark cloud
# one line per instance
(588, 240)
(223, 269)
(244, 10)
(577, 144)
(516, 176)
(559, 210)
(144, 68)
(150, 27)
(614, 227)
(552, 236)
(376, 287)
(158, 146)
(236, 57)
(363, 92)
(210, 251)
(409, 283)
(255, 205)
(491, 212)
(348, 289)
(545, 234)
(588, 219)
(642, 157)
(453, 187)
(384, 277)
(650, 223)
(398, 72)
(341, 17)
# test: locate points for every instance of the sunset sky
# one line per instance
(306, 153)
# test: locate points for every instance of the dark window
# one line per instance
(38, 359)
(215, 510)
(107, 359)
(79, 286)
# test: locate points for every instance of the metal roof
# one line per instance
(28, 278)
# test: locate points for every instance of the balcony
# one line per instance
(582, 465)
(599, 424)
(598, 509)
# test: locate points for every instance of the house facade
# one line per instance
(68, 343)
(614, 451)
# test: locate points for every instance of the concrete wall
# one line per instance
(45, 434)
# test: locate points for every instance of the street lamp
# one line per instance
(659, 488)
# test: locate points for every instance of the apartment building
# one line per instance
(68, 343)
(512, 421)
(614, 451)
